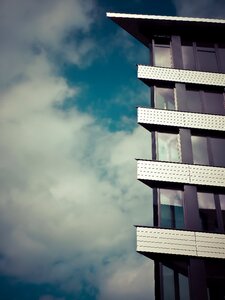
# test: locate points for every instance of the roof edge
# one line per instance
(166, 18)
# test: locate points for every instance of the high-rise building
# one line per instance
(186, 122)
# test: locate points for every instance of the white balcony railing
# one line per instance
(180, 173)
(180, 119)
(178, 75)
(180, 242)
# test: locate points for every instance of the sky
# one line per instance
(68, 191)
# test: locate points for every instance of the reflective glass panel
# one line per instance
(171, 208)
(164, 98)
(168, 147)
(168, 283)
(214, 103)
(207, 60)
(199, 149)
(207, 211)
(222, 206)
(188, 57)
(222, 58)
(184, 287)
(162, 56)
(194, 101)
(218, 151)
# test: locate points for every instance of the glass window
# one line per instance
(200, 150)
(207, 60)
(188, 57)
(207, 211)
(209, 101)
(222, 206)
(194, 102)
(162, 56)
(168, 283)
(171, 208)
(222, 58)
(168, 147)
(184, 287)
(214, 102)
(218, 151)
(164, 98)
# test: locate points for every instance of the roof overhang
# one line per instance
(144, 27)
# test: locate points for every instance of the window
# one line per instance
(207, 59)
(208, 150)
(202, 57)
(200, 150)
(188, 57)
(184, 287)
(207, 101)
(174, 281)
(194, 101)
(171, 208)
(164, 98)
(222, 57)
(218, 151)
(162, 53)
(168, 283)
(222, 207)
(168, 148)
(207, 212)
(213, 102)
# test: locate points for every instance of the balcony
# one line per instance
(180, 242)
(158, 172)
(150, 74)
(154, 118)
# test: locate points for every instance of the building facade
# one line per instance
(186, 122)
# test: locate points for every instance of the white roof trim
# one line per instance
(169, 18)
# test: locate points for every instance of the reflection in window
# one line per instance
(207, 212)
(222, 207)
(201, 146)
(168, 283)
(172, 281)
(171, 208)
(218, 151)
(168, 147)
(188, 57)
(164, 98)
(162, 56)
(207, 60)
(184, 287)
(200, 150)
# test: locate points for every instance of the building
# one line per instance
(186, 122)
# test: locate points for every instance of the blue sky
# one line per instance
(69, 195)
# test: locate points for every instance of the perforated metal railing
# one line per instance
(180, 173)
(162, 117)
(180, 242)
(177, 75)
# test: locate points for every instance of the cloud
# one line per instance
(126, 280)
(68, 194)
(56, 28)
(68, 189)
(200, 8)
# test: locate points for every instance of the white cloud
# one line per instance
(68, 189)
(68, 193)
(29, 27)
(126, 280)
(200, 8)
